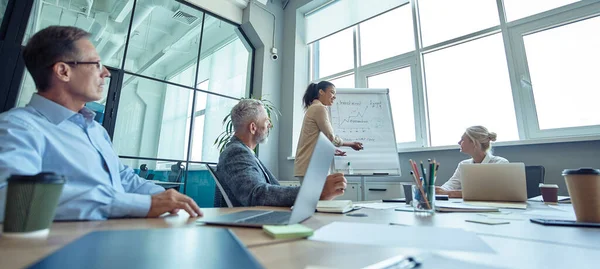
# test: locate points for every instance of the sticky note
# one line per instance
(288, 231)
(488, 221)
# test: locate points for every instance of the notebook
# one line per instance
(335, 206)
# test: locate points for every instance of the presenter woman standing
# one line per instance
(476, 142)
(316, 119)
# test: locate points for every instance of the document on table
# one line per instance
(560, 214)
(427, 238)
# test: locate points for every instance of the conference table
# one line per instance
(519, 244)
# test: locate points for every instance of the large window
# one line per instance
(336, 53)
(517, 9)
(375, 46)
(563, 65)
(526, 70)
(467, 85)
(443, 20)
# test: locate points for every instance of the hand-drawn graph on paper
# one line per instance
(364, 115)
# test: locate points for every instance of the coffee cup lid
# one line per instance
(581, 171)
(44, 177)
(543, 185)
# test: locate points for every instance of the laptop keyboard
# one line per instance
(272, 217)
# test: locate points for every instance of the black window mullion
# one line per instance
(112, 100)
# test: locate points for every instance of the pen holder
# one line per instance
(423, 199)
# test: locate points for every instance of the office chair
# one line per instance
(143, 171)
(221, 197)
(176, 172)
(534, 175)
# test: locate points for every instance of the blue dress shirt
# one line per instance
(47, 137)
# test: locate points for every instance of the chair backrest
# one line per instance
(143, 171)
(221, 194)
(534, 174)
(176, 173)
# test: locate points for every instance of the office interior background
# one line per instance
(525, 69)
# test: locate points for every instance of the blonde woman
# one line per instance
(317, 98)
(476, 142)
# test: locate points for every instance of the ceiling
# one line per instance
(162, 30)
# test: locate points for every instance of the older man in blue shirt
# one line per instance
(57, 133)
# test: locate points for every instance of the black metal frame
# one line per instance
(12, 31)
(12, 68)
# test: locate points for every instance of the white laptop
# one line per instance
(306, 201)
(494, 182)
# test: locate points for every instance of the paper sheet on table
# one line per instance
(379, 205)
(552, 214)
(561, 199)
(428, 238)
(563, 207)
(511, 205)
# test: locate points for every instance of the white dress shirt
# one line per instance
(455, 182)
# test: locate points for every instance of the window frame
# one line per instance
(512, 35)
(522, 77)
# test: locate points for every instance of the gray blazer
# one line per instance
(247, 181)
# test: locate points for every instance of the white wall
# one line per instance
(258, 26)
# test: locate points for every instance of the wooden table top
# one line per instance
(519, 244)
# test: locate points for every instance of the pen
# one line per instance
(398, 262)
(423, 170)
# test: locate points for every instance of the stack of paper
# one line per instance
(461, 207)
(335, 206)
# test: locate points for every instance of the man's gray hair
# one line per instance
(245, 112)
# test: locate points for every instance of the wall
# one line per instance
(258, 27)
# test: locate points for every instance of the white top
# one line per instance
(455, 182)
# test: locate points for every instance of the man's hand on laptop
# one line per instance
(335, 185)
(172, 201)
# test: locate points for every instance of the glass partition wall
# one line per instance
(176, 71)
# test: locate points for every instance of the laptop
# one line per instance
(306, 201)
(494, 182)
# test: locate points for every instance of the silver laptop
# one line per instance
(494, 182)
(306, 201)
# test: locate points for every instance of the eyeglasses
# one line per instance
(98, 64)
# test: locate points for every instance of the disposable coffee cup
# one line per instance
(583, 185)
(549, 193)
(30, 204)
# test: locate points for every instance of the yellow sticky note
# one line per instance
(288, 231)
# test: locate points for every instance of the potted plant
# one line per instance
(224, 137)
